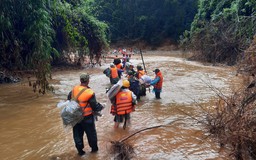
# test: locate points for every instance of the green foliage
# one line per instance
(40, 34)
(77, 29)
(221, 30)
(34, 33)
(26, 39)
(149, 20)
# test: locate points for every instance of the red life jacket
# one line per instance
(159, 84)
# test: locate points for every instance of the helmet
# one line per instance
(126, 83)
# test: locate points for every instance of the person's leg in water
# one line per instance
(116, 125)
(157, 94)
(128, 119)
(138, 96)
(91, 134)
(78, 133)
(136, 91)
(143, 90)
(118, 119)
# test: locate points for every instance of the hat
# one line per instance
(112, 65)
(84, 77)
(139, 67)
(156, 70)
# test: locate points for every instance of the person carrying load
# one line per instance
(123, 104)
(140, 72)
(114, 78)
(130, 67)
(157, 83)
(134, 84)
(86, 99)
(117, 62)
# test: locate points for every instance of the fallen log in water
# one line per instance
(123, 150)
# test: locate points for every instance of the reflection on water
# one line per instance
(31, 127)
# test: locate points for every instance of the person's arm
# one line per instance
(96, 107)
(93, 102)
(69, 95)
(157, 79)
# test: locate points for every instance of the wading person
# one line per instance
(157, 83)
(140, 72)
(87, 100)
(114, 77)
(119, 67)
(123, 104)
(130, 67)
(134, 84)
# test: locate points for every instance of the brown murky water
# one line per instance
(31, 127)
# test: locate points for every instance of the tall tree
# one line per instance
(222, 30)
(28, 30)
(148, 20)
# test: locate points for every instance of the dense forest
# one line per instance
(222, 30)
(37, 34)
(34, 35)
(148, 20)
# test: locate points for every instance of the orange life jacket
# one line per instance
(83, 98)
(124, 103)
(114, 72)
(119, 66)
(141, 73)
(159, 84)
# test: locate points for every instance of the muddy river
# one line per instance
(31, 126)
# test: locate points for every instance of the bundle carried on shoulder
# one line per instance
(107, 72)
(114, 89)
(71, 112)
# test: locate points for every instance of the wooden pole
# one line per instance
(143, 61)
(144, 66)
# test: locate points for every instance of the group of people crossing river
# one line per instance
(127, 87)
